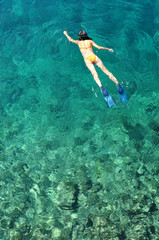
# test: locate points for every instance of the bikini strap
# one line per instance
(85, 44)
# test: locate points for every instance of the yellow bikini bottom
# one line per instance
(91, 58)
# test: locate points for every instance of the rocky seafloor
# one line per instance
(98, 181)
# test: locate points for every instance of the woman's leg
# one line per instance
(109, 100)
(93, 71)
(100, 64)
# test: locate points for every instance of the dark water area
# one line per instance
(71, 168)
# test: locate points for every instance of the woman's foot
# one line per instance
(109, 100)
(122, 94)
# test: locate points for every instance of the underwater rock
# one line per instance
(157, 202)
(67, 196)
(30, 213)
(154, 124)
(56, 233)
(140, 170)
(35, 197)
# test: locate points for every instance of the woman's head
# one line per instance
(83, 36)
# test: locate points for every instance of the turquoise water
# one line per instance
(70, 168)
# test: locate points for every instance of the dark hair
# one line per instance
(83, 36)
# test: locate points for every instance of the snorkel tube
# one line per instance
(84, 28)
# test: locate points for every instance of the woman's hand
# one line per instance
(65, 32)
(110, 50)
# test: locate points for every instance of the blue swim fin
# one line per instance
(122, 94)
(109, 100)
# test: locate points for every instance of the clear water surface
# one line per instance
(70, 168)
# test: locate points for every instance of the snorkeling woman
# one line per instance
(85, 45)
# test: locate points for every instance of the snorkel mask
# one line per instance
(83, 33)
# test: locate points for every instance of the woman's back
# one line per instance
(85, 47)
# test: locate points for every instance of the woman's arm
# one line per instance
(95, 45)
(69, 38)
